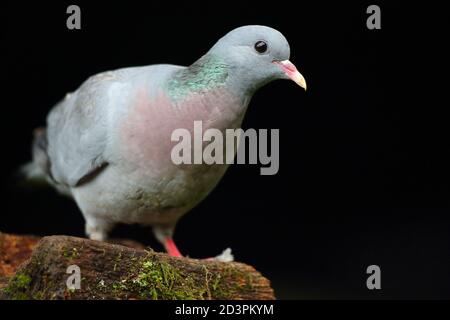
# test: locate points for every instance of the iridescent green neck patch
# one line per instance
(207, 73)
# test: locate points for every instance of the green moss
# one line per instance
(219, 288)
(216, 281)
(120, 286)
(160, 280)
(249, 283)
(22, 281)
(38, 296)
(70, 253)
(222, 288)
(18, 286)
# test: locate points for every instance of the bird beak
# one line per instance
(291, 71)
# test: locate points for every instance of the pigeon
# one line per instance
(108, 144)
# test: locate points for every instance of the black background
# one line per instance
(363, 166)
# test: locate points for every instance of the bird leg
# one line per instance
(97, 229)
(164, 234)
(171, 247)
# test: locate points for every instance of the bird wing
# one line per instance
(77, 131)
(79, 128)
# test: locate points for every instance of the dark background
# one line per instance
(363, 157)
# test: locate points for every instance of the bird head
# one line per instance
(257, 55)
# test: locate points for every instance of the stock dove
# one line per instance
(108, 144)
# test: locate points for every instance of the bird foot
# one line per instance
(172, 250)
(225, 256)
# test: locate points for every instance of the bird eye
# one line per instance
(261, 47)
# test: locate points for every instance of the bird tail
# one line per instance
(37, 172)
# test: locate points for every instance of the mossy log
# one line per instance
(109, 271)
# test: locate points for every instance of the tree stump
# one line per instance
(110, 271)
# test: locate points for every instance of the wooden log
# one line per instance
(109, 271)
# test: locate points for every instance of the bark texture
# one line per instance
(111, 271)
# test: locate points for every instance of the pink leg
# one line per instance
(171, 247)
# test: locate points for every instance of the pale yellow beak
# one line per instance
(292, 72)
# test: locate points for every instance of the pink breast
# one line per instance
(146, 130)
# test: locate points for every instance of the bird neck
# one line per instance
(212, 84)
(206, 74)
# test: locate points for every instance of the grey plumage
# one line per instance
(107, 144)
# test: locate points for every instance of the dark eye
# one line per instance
(261, 47)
